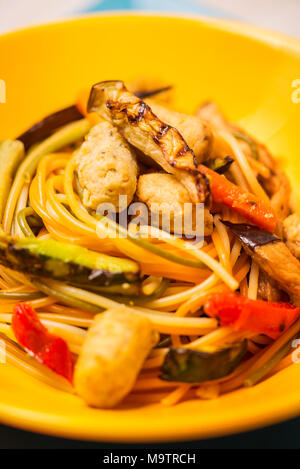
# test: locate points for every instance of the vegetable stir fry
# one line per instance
(145, 254)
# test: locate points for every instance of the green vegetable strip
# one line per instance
(264, 369)
(21, 296)
(142, 299)
(65, 298)
(151, 247)
(251, 143)
(131, 289)
(63, 137)
(22, 221)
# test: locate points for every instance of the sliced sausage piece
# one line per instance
(113, 353)
(167, 198)
(106, 167)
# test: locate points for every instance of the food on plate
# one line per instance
(113, 354)
(105, 291)
(106, 167)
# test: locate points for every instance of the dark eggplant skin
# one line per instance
(17, 256)
(219, 165)
(44, 128)
(148, 94)
(194, 366)
(251, 236)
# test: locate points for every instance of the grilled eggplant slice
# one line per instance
(44, 128)
(62, 261)
(272, 255)
(196, 366)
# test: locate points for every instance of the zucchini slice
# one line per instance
(67, 262)
(196, 366)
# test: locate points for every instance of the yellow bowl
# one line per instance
(250, 73)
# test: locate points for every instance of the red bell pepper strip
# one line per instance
(244, 314)
(34, 337)
(257, 211)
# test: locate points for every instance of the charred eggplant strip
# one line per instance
(144, 130)
(194, 366)
(149, 94)
(44, 128)
(61, 261)
(272, 255)
(251, 236)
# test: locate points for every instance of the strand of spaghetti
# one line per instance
(253, 281)
(264, 357)
(45, 166)
(243, 163)
(238, 177)
(63, 137)
(222, 254)
(18, 358)
(215, 266)
(244, 287)
(61, 309)
(223, 233)
(165, 323)
(7, 330)
(178, 298)
(208, 391)
(259, 167)
(209, 283)
(11, 278)
(196, 301)
(64, 214)
(41, 211)
(155, 362)
(22, 203)
(71, 320)
(72, 334)
(176, 395)
(235, 252)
